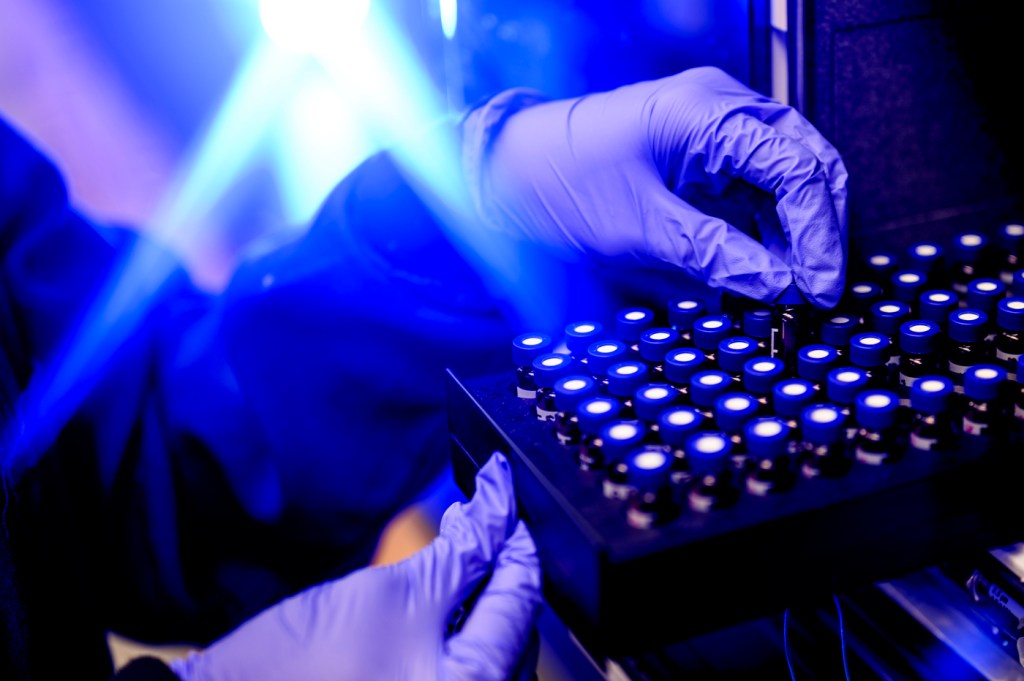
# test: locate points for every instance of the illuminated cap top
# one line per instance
(761, 373)
(708, 331)
(790, 397)
(985, 294)
(527, 346)
(984, 381)
(580, 335)
(931, 394)
(676, 423)
(681, 364)
(1010, 314)
(767, 436)
(876, 409)
(967, 325)
(651, 399)
(734, 351)
(684, 311)
(822, 424)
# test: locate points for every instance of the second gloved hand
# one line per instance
(389, 622)
(620, 173)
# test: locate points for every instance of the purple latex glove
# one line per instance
(618, 173)
(389, 622)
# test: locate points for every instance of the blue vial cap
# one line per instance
(651, 399)
(579, 336)
(625, 377)
(683, 312)
(926, 257)
(681, 364)
(967, 325)
(733, 352)
(708, 452)
(907, 285)
(864, 293)
(757, 323)
(967, 247)
(767, 436)
(761, 373)
(1010, 237)
(708, 331)
(876, 409)
(919, 337)
(631, 322)
(838, 329)
(931, 394)
(707, 386)
(733, 410)
(675, 424)
(843, 384)
(869, 350)
(604, 353)
(648, 468)
(790, 396)
(880, 265)
(985, 294)
(887, 315)
(1017, 286)
(984, 381)
(813, 362)
(935, 305)
(550, 367)
(593, 413)
(1010, 315)
(620, 437)
(572, 389)
(527, 346)
(656, 341)
(822, 424)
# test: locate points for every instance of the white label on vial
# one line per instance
(1006, 277)
(1018, 411)
(1005, 356)
(525, 394)
(614, 490)
(906, 381)
(546, 415)
(922, 443)
(958, 368)
(972, 428)
(870, 458)
(894, 360)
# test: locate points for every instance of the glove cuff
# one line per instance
(481, 127)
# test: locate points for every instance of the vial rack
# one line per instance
(626, 587)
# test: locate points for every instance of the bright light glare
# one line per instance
(449, 17)
(312, 25)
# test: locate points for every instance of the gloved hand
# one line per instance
(623, 173)
(389, 622)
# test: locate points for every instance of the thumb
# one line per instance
(711, 250)
(471, 535)
(500, 627)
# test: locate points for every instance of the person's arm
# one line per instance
(395, 622)
(694, 174)
(229, 450)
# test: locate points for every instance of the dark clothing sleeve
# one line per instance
(176, 461)
(145, 669)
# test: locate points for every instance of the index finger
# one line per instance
(744, 147)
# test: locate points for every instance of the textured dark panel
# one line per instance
(912, 94)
